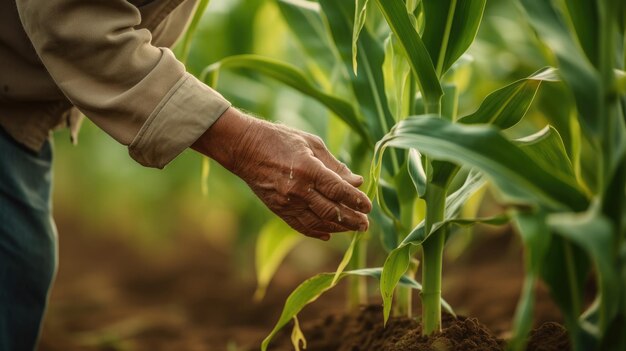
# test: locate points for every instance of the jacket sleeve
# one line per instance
(139, 94)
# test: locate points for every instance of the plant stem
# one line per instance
(431, 283)
(572, 277)
(432, 260)
(182, 49)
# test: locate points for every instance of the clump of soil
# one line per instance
(363, 330)
(458, 334)
(549, 337)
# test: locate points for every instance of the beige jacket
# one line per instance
(108, 58)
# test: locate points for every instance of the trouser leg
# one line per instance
(28, 243)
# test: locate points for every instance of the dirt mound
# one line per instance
(110, 295)
(549, 337)
(363, 330)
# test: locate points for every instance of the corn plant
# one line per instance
(569, 223)
(388, 69)
(586, 40)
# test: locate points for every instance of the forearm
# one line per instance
(138, 93)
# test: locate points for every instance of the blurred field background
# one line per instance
(97, 183)
(149, 262)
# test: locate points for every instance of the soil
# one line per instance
(186, 294)
(364, 331)
(110, 295)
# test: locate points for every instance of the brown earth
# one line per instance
(111, 296)
(363, 330)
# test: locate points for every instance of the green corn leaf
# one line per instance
(360, 12)
(183, 47)
(407, 196)
(546, 146)
(274, 242)
(377, 273)
(417, 172)
(418, 235)
(473, 183)
(394, 268)
(516, 174)
(565, 271)
(620, 81)
(304, 294)
(585, 20)
(347, 256)
(399, 20)
(599, 247)
(505, 107)
(384, 226)
(451, 26)
(312, 288)
(293, 77)
(575, 68)
(522, 321)
(622, 18)
(536, 237)
(306, 22)
(396, 71)
(388, 200)
(450, 102)
(368, 84)
(297, 336)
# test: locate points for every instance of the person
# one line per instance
(108, 59)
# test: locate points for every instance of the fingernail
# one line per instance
(325, 237)
(363, 227)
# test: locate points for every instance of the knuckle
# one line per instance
(302, 170)
(316, 142)
(342, 168)
(334, 190)
(280, 200)
(328, 212)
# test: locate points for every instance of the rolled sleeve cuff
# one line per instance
(186, 112)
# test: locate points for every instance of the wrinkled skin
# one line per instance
(291, 171)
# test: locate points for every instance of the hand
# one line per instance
(291, 171)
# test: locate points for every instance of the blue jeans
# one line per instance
(28, 242)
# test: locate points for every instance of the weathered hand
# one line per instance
(292, 172)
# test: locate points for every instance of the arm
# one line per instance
(142, 96)
(138, 93)
(292, 172)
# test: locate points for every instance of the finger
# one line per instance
(343, 218)
(321, 152)
(312, 220)
(297, 224)
(317, 234)
(338, 190)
